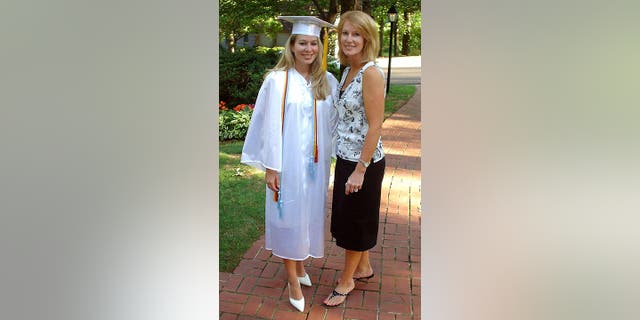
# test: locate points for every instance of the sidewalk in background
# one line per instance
(400, 62)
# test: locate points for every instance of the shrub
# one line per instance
(242, 73)
(333, 66)
(233, 124)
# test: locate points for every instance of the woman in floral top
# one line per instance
(360, 157)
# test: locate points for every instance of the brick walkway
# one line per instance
(257, 287)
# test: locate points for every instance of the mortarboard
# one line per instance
(306, 25)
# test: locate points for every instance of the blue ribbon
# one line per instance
(280, 204)
(311, 168)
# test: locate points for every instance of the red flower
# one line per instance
(243, 107)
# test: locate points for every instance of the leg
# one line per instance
(292, 279)
(300, 269)
(364, 269)
(346, 283)
(303, 277)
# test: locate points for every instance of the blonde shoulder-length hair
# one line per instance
(319, 83)
(369, 31)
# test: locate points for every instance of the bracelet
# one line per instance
(364, 164)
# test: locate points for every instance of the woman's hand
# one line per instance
(355, 180)
(272, 179)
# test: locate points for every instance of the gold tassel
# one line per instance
(325, 43)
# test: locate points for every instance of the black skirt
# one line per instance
(355, 217)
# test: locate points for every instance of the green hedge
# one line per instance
(242, 73)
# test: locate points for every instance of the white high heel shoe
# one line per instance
(298, 304)
(305, 281)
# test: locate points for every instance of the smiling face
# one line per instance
(305, 49)
(351, 40)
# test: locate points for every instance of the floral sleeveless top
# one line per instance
(352, 122)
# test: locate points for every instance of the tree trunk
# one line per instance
(232, 43)
(405, 44)
(381, 25)
(406, 36)
(347, 5)
(333, 11)
(329, 16)
(366, 6)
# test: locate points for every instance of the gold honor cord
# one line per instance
(315, 132)
(284, 97)
(325, 44)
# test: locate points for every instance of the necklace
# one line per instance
(307, 78)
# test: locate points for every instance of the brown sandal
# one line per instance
(365, 277)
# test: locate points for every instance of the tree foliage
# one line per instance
(238, 18)
(408, 27)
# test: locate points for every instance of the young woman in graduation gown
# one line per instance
(290, 138)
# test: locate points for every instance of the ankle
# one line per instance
(346, 283)
(365, 270)
(294, 283)
(294, 289)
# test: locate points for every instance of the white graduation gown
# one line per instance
(295, 230)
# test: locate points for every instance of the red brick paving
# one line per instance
(256, 289)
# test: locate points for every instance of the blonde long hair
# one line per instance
(369, 30)
(319, 83)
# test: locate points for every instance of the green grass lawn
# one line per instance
(242, 190)
(241, 211)
(396, 98)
